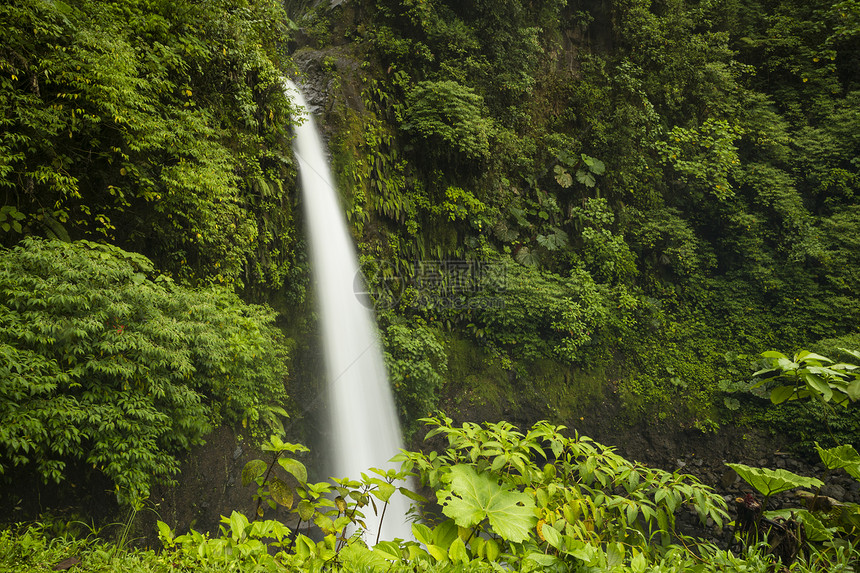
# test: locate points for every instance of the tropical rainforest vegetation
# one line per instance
(642, 193)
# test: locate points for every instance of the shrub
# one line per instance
(107, 363)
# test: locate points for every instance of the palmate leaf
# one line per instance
(562, 176)
(596, 166)
(473, 497)
(525, 257)
(844, 456)
(585, 178)
(768, 482)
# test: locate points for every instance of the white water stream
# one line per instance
(363, 419)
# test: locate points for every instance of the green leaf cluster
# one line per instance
(449, 113)
(109, 365)
(416, 364)
(810, 375)
(547, 498)
(769, 482)
(159, 126)
(696, 169)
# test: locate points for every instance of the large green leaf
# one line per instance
(562, 176)
(818, 385)
(295, 467)
(306, 510)
(253, 470)
(585, 178)
(854, 353)
(844, 456)
(281, 492)
(805, 355)
(457, 552)
(768, 482)
(473, 497)
(781, 393)
(596, 166)
(853, 390)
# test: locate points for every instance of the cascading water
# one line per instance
(365, 429)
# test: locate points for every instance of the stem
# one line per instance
(265, 479)
(381, 519)
(471, 535)
(814, 502)
(294, 535)
(342, 540)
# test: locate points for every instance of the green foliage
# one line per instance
(417, 364)
(809, 379)
(606, 254)
(270, 488)
(769, 482)
(811, 375)
(28, 549)
(340, 519)
(505, 507)
(844, 457)
(662, 180)
(547, 498)
(131, 120)
(110, 364)
(462, 205)
(703, 157)
(523, 313)
(729, 240)
(721, 207)
(451, 114)
(512, 501)
(588, 168)
(10, 219)
(474, 497)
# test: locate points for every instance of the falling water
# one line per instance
(364, 426)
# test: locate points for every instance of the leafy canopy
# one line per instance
(106, 362)
(157, 125)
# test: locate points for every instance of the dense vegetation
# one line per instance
(160, 127)
(639, 192)
(663, 181)
(507, 501)
(108, 367)
(634, 188)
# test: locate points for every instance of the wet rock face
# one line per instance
(328, 76)
(208, 487)
(315, 84)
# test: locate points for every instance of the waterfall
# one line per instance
(363, 420)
